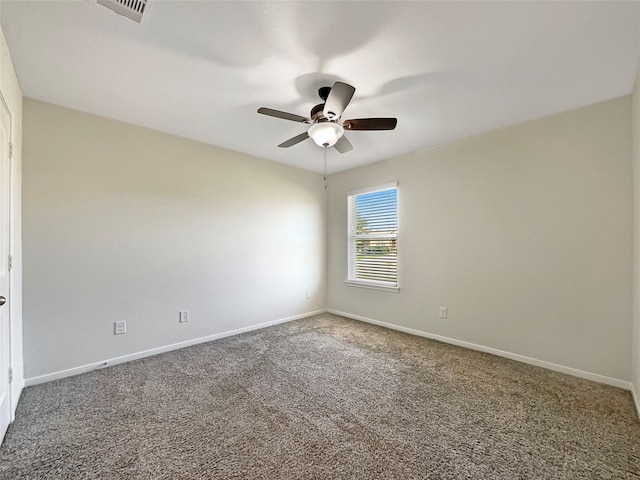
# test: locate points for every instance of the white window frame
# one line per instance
(351, 236)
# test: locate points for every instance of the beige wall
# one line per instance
(12, 95)
(125, 223)
(523, 233)
(636, 241)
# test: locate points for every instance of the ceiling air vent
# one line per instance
(132, 9)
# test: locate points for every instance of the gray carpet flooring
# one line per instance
(323, 398)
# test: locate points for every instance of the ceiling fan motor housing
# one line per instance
(317, 114)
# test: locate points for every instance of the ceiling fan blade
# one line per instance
(287, 116)
(338, 99)
(292, 141)
(343, 145)
(370, 124)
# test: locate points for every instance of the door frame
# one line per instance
(5, 105)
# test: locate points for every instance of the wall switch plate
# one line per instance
(184, 316)
(120, 327)
(443, 312)
(308, 294)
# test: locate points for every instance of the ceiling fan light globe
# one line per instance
(326, 134)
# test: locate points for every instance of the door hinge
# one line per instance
(10, 262)
(10, 374)
(10, 150)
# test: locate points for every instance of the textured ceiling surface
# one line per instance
(446, 70)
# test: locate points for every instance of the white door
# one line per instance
(5, 356)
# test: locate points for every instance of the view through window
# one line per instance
(373, 234)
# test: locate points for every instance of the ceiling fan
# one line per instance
(327, 130)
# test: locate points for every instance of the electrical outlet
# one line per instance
(120, 327)
(308, 294)
(184, 316)
(443, 312)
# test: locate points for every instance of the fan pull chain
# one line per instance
(325, 167)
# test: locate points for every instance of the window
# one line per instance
(373, 233)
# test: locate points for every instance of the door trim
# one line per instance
(10, 271)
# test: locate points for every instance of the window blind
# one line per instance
(373, 233)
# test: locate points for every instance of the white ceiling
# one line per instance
(446, 70)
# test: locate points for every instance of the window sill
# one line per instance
(373, 286)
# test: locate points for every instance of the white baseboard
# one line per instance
(155, 351)
(501, 353)
(175, 346)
